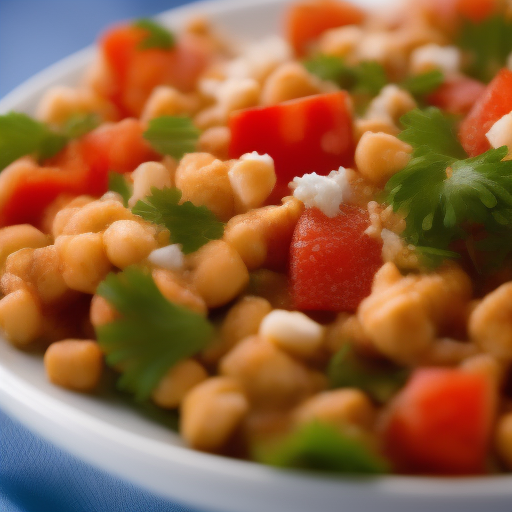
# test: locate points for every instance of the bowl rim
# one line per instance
(48, 416)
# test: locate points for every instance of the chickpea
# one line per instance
(95, 217)
(84, 261)
(380, 155)
(271, 378)
(74, 364)
(252, 179)
(167, 101)
(490, 323)
(263, 236)
(242, 320)
(21, 318)
(289, 81)
(22, 236)
(177, 382)
(341, 42)
(215, 141)
(61, 216)
(376, 125)
(147, 176)
(177, 290)
(211, 412)
(338, 408)
(219, 274)
(101, 312)
(206, 184)
(128, 242)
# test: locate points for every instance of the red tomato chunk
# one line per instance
(312, 134)
(332, 260)
(441, 422)
(457, 95)
(493, 104)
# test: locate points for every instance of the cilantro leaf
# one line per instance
(429, 131)
(424, 83)
(487, 43)
(21, 135)
(367, 77)
(322, 447)
(173, 136)
(379, 380)
(442, 193)
(158, 36)
(118, 183)
(191, 226)
(80, 124)
(152, 334)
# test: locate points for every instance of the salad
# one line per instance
(302, 247)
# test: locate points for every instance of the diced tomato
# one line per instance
(457, 95)
(493, 104)
(136, 72)
(448, 11)
(332, 260)
(81, 168)
(116, 147)
(312, 134)
(440, 423)
(307, 20)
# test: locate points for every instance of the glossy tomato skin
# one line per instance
(457, 95)
(332, 260)
(81, 168)
(441, 423)
(312, 134)
(307, 20)
(493, 104)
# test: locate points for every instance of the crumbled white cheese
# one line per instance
(170, 257)
(500, 133)
(323, 192)
(260, 59)
(256, 157)
(432, 56)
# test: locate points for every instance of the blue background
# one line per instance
(34, 475)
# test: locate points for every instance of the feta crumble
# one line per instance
(323, 192)
(500, 133)
(170, 257)
(432, 56)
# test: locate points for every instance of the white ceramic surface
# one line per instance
(108, 434)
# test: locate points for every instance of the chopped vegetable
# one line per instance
(441, 422)
(492, 105)
(152, 334)
(20, 135)
(456, 95)
(332, 260)
(305, 135)
(321, 447)
(191, 226)
(79, 125)
(440, 193)
(307, 20)
(379, 380)
(173, 136)
(157, 35)
(367, 77)
(423, 84)
(488, 44)
(135, 72)
(117, 183)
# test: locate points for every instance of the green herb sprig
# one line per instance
(151, 335)
(157, 35)
(191, 226)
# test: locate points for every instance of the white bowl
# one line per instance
(107, 433)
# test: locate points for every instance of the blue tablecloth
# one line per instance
(34, 475)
